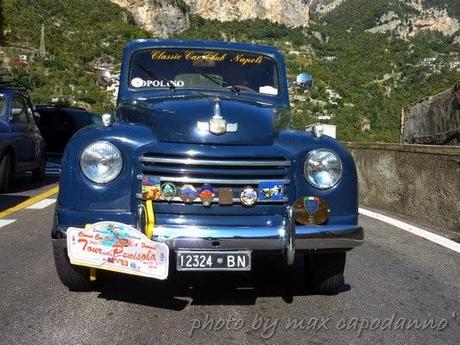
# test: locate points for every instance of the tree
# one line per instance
(2, 22)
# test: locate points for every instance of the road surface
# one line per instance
(395, 282)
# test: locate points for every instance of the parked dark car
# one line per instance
(22, 148)
(57, 124)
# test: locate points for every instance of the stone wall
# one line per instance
(419, 181)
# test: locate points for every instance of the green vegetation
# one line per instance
(359, 77)
(79, 34)
(2, 21)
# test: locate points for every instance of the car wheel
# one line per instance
(324, 271)
(5, 173)
(39, 173)
(76, 278)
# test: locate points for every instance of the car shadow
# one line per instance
(210, 288)
(20, 186)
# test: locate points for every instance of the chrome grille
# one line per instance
(234, 172)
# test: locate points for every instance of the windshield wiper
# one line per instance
(221, 83)
(155, 77)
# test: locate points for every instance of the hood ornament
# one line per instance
(217, 124)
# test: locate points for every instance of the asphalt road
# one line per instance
(393, 281)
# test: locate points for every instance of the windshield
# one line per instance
(191, 68)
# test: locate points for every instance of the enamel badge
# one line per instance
(150, 188)
(168, 191)
(225, 196)
(271, 190)
(248, 196)
(310, 210)
(188, 193)
(206, 195)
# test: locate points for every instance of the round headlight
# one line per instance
(323, 168)
(101, 162)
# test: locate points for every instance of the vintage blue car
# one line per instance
(21, 145)
(199, 170)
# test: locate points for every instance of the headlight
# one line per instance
(101, 162)
(322, 168)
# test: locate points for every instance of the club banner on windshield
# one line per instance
(118, 247)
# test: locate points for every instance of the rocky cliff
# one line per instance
(163, 17)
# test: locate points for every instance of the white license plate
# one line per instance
(194, 260)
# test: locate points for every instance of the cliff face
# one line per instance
(292, 13)
(160, 17)
(163, 17)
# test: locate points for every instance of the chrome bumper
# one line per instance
(286, 238)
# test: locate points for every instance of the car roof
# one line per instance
(204, 44)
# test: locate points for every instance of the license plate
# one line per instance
(192, 260)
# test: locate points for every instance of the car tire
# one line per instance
(5, 172)
(76, 278)
(324, 272)
(38, 174)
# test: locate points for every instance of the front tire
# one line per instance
(5, 172)
(324, 271)
(76, 278)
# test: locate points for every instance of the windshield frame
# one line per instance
(274, 59)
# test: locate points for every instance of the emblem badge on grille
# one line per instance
(206, 195)
(188, 193)
(168, 191)
(271, 190)
(225, 196)
(217, 124)
(150, 188)
(248, 196)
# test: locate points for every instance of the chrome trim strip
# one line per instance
(289, 236)
(216, 200)
(191, 161)
(185, 179)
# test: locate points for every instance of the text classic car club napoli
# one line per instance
(199, 170)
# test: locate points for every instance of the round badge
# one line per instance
(168, 191)
(188, 193)
(138, 82)
(248, 196)
(311, 210)
(206, 195)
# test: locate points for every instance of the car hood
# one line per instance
(186, 119)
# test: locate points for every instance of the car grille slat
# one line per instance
(234, 172)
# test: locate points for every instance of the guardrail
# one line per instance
(419, 181)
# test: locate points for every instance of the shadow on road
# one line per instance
(230, 288)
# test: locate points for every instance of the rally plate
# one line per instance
(199, 260)
(117, 247)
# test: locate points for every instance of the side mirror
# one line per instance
(304, 80)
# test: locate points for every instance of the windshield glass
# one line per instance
(191, 68)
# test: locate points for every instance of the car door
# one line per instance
(22, 131)
(34, 133)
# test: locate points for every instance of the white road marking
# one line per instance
(41, 204)
(442, 241)
(4, 222)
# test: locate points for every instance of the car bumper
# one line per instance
(286, 238)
